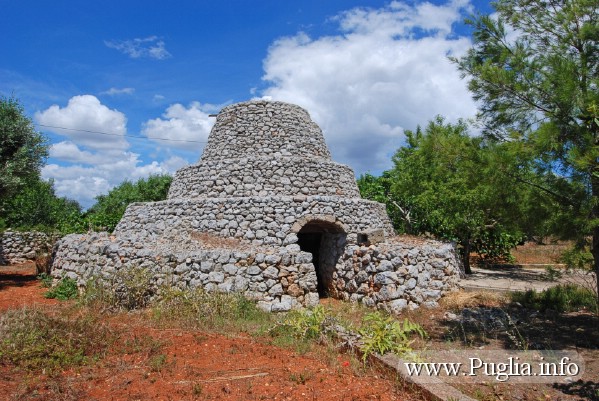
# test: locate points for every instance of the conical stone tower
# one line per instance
(266, 212)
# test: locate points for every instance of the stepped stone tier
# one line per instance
(267, 213)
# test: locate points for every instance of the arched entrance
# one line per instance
(325, 241)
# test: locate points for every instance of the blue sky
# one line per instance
(365, 70)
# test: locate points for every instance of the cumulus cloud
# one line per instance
(385, 71)
(81, 120)
(118, 91)
(152, 47)
(89, 164)
(184, 127)
(94, 174)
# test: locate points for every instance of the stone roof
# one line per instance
(262, 148)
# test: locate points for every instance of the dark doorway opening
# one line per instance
(325, 241)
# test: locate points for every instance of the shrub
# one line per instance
(561, 298)
(128, 289)
(382, 334)
(64, 290)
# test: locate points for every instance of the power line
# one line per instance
(125, 135)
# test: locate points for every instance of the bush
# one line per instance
(382, 334)
(128, 289)
(561, 298)
(64, 290)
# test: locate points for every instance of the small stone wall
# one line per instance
(268, 176)
(392, 276)
(261, 220)
(19, 247)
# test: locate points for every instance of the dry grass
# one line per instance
(465, 299)
(532, 253)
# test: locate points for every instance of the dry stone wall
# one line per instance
(267, 177)
(391, 276)
(19, 247)
(261, 220)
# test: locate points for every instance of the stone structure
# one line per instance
(20, 247)
(267, 213)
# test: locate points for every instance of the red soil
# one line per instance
(187, 365)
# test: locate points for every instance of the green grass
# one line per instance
(35, 341)
(561, 298)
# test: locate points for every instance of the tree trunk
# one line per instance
(466, 255)
(595, 240)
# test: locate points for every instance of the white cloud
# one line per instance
(82, 119)
(181, 124)
(386, 71)
(88, 164)
(94, 174)
(118, 91)
(152, 47)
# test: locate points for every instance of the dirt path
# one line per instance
(187, 365)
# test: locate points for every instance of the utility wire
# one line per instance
(129, 136)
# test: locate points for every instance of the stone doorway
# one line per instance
(326, 242)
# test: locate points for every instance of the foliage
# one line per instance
(36, 207)
(23, 150)
(534, 69)
(46, 280)
(382, 334)
(36, 341)
(577, 257)
(561, 298)
(486, 196)
(108, 210)
(379, 189)
(65, 289)
(457, 187)
(307, 323)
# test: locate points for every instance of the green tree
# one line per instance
(108, 209)
(534, 69)
(450, 184)
(36, 207)
(23, 150)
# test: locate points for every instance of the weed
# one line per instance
(307, 323)
(64, 290)
(35, 341)
(299, 328)
(302, 377)
(46, 279)
(561, 298)
(127, 289)
(382, 334)
(157, 362)
(196, 308)
(142, 344)
(197, 389)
